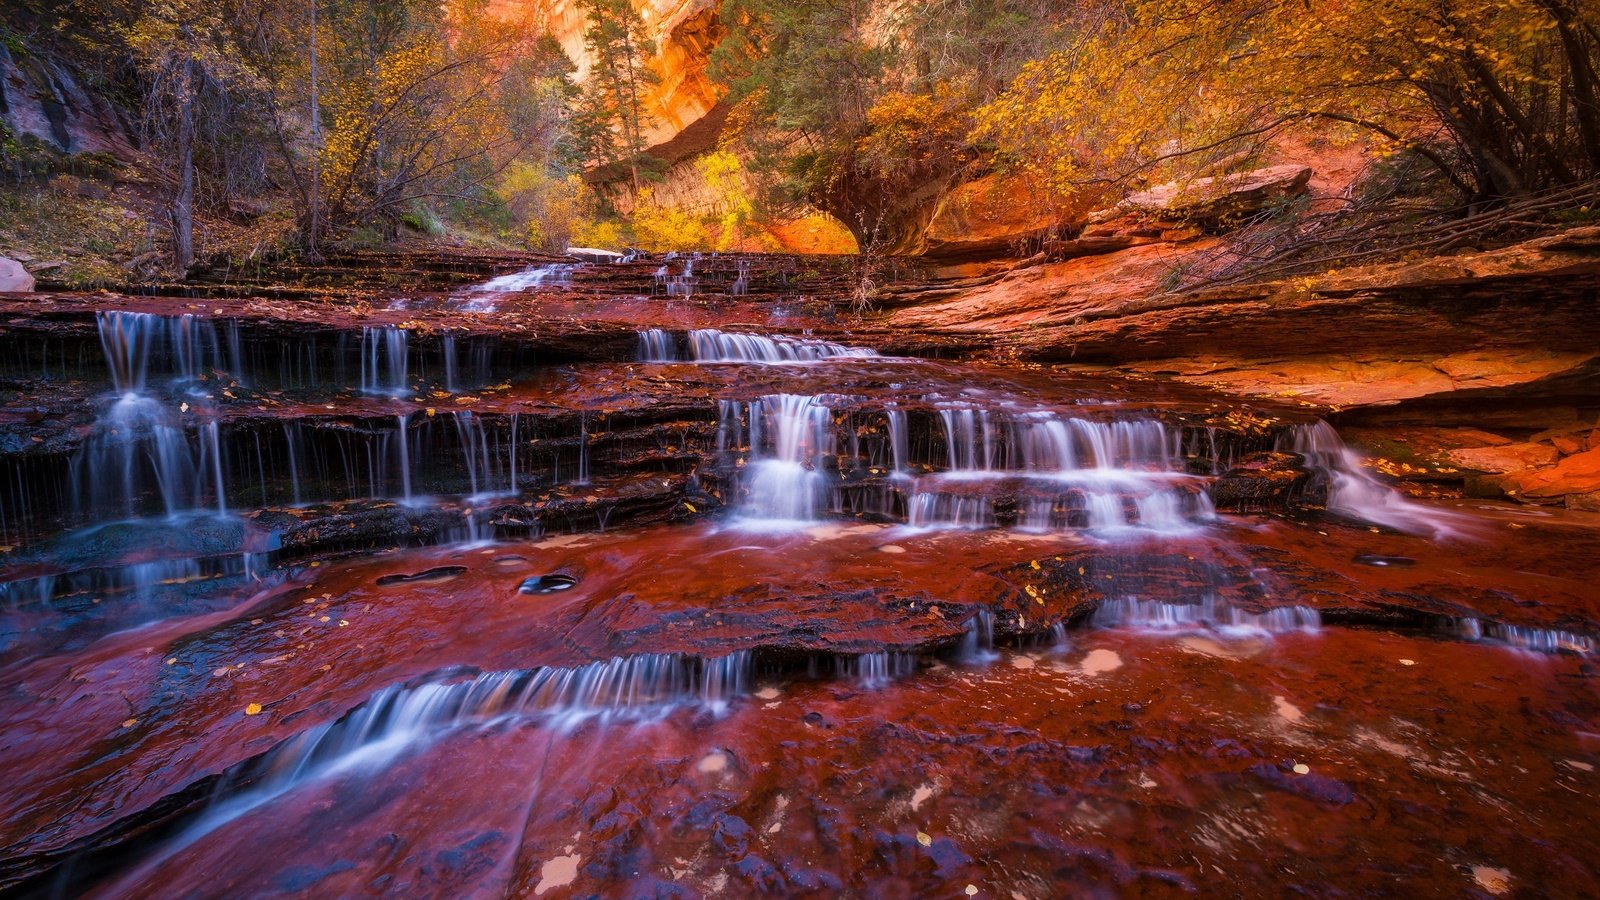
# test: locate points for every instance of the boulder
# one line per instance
(1505, 458)
(1576, 476)
(13, 277)
(1264, 482)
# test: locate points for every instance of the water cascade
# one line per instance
(1060, 473)
(1209, 614)
(657, 345)
(1354, 491)
(384, 361)
(709, 345)
(221, 539)
(553, 275)
(791, 435)
(1522, 637)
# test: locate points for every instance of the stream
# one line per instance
(670, 578)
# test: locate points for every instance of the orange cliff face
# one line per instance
(685, 31)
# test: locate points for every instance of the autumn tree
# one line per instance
(861, 108)
(1497, 97)
(193, 86)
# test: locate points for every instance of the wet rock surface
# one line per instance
(670, 576)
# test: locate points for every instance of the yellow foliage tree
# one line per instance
(1498, 95)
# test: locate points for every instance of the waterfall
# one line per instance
(1060, 473)
(1523, 637)
(583, 447)
(1210, 614)
(402, 440)
(384, 360)
(447, 347)
(657, 345)
(211, 462)
(876, 670)
(899, 440)
(291, 438)
(712, 345)
(790, 436)
(1354, 491)
(138, 444)
(399, 717)
(557, 275)
(977, 646)
(185, 346)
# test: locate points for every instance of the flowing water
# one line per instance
(651, 578)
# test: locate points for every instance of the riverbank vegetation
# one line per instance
(267, 128)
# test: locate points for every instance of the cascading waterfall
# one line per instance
(384, 361)
(710, 345)
(399, 717)
(1354, 491)
(790, 436)
(583, 447)
(1522, 637)
(186, 346)
(553, 275)
(138, 445)
(657, 345)
(1210, 614)
(481, 452)
(1063, 473)
(977, 646)
(899, 441)
(877, 670)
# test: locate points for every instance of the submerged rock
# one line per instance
(1270, 481)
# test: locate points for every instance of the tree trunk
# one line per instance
(313, 232)
(183, 200)
(1586, 105)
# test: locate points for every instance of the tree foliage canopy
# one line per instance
(1497, 95)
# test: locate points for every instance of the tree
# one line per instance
(611, 119)
(183, 52)
(861, 108)
(1497, 96)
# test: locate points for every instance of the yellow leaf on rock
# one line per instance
(253, 709)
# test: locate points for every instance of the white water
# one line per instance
(657, 345)
(400, 717)
(1061, 472)
(1355, 492)
(1210, 614)
(553, 275)
(710, 345)
(790, 437)
(1522, 637)
(385, 361)
(138, 443)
